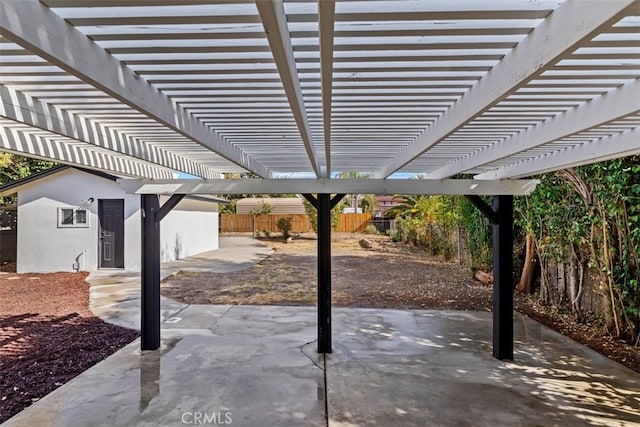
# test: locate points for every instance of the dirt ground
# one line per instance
(48, 335)
(385, 276)
(389, 275)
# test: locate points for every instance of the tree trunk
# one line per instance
(528, 269)
(575, 283)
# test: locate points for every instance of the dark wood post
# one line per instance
(502, 278)
(150, 274)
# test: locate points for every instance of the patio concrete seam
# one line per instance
(221, 317)
(326, 391)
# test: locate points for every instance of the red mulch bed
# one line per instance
(48, 335)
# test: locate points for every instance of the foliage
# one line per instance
(590, 218)
(264, 209)
(312, 213)
(367, 203)
(479, 234)
(228, 208)
(13, 167)
(284, 225)
(427, 221)
(371, 229)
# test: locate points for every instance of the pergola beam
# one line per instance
(274, 20)
(23, 108)
(326, 24)
(329, 186)
(612, 147)
(566, 28)
(62, 45)
(620, 102)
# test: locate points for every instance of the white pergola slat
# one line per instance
(290, 88)
(79, 56)
(619, 102)
(558, 35)
(28, 110)
(21, 139)
(610, 147)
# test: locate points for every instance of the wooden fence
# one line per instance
(243, 223)
(353, 223)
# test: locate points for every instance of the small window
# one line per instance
(70, 217)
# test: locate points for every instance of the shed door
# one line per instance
(111, 246)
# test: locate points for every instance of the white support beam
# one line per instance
(20, 107)
(612, 147)
(326, 24)
(620, 102)
(33, 26)
(274, 21)
(329, 186)
(571, 24)
(73, 153)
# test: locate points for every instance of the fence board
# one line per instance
(353, 223)
(243, 223)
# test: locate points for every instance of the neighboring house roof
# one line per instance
(279, 205)
(11, 188)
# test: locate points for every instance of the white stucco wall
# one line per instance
(43, 247)
(190, 228)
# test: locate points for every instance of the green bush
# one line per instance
(371, 229)
(284, 225)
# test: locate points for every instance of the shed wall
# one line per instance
(44, 247)
(190, 228)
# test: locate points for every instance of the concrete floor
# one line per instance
(115, 294)
(258, 366)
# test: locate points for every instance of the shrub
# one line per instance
(284, 225)
(371, 229)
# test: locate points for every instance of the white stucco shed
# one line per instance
(78, 219)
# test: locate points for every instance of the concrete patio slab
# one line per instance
(434, 368)
(114, 295)
(257, 366)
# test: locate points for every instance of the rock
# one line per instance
(289, 239)
(365, 243)
(484, 277)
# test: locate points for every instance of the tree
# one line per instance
(312, 213)
(586, 224)
(264, 209)
(367, 203)
(427, 221)
(13, 167)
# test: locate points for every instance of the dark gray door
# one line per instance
(111, 247)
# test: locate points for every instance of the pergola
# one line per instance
(473, 95)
